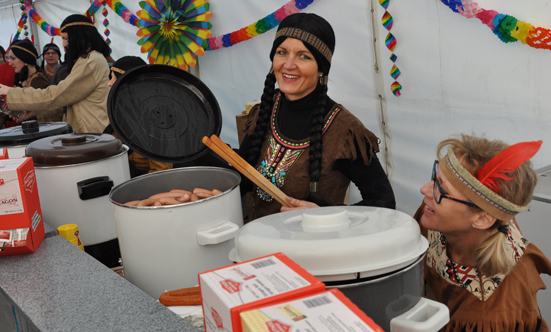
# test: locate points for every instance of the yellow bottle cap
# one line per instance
(71, 233)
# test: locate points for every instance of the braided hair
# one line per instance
(322, 30)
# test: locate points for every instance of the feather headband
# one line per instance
(481, 190)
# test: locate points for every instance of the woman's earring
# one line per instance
(323, 79)
(474, 226)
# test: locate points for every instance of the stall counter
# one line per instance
(61, 288)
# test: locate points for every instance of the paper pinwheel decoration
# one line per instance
(172, 31)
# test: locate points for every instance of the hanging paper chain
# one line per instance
(106, 25)
(390, 42)
(259, 27)
(51, 30)
(507, 28)
(172, 32)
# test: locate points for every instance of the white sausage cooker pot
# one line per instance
(74, 175)
(373, 255)
(16, 139)
(166, 247)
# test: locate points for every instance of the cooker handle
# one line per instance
(217, 234)
(426, 316)
(94, 187)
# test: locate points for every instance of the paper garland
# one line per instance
(507, 28)
(51, 30)
(259, 27)
(172, 32)
(390, 42)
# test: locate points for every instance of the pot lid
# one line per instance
(163, 112)
(335, 240)
(30, 131)
(70, 149)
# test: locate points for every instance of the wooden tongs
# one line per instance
(223, 150)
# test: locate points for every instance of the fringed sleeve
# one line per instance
(356, 138)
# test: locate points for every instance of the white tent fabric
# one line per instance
(458, 77)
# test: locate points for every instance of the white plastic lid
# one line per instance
(335, 240)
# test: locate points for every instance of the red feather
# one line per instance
(505, 162)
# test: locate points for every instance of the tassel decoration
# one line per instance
(506, 162)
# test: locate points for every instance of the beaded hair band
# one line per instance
(115, 69)
(53, 47)
(308, 38)
(90, 24)
(477, 192)
(24, 49)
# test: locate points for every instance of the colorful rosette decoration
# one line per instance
(390, 42)
(172, 32)
(506, 27)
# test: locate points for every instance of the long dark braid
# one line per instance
(266, 104)
(316, 138)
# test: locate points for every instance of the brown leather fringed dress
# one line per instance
(488, 303)
(285, 161)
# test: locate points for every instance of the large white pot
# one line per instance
(166, 247)
(373, 255)
(74, 188)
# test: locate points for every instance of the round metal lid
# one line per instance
(30, 131)
(163, 112)
(73, 149)
(335, 240)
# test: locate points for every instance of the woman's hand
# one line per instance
(4, 89)
(23, 116)
(297, 204)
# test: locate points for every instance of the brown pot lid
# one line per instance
(70, 149)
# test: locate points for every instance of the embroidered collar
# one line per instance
(298, 144)
(468, 277)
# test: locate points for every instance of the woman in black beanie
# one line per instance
(50, 60)
(299, 138)
(22, 57)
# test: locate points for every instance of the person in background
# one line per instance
(7, 76)
(139, 164)
(85, 89)
(50, 61)
(22, 58)
(300, 139)
(2, 55)
(478, 263)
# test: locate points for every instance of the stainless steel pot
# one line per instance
(166, 247)
(373, 255)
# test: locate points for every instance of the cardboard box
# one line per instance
(4, 153)
(327, 311)
(21, 224)
(251, 284)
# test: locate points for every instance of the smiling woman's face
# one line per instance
(295, 69)
(15, 62)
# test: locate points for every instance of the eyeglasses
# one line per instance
(440, 193)
(50, 53)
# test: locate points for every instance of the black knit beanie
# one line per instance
(314, 25)
(25, 51)
(126, 63)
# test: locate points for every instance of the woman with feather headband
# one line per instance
(478, 262)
